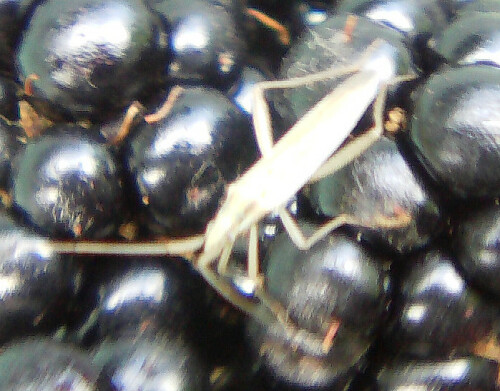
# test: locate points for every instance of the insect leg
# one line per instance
(165, 247)
(304, 243)
(260, 112)
(252, 259)
(253, 256)
(356, 147)
(342, 157)
(224, 259)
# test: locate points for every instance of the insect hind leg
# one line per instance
(338, 160)
(304, 243)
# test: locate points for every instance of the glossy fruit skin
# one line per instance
(351, 280)
(9, 99)
(336, 279)
(158, 363)
(472, 39)
(67, 183)
(153, 347)
(37, 284)
(142, 297)
(205, 39)
(417, 20)
(47, 365)
(466, 374)
(323, 47)
(95, 57)
(13, 15)
(477, 247)
(438, 312)
(380, 183)
(10, 146)
(182, 164)
(480, 6)
(453, 130)
(30, 268)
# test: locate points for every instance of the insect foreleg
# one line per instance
(260, 109)
(262, 123)
(339, 159)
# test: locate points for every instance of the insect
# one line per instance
(309, 150)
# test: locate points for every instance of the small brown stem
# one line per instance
(165, 109)
(32, 123)
(350, 25)
(28, 83)
(330, 335)
(134, 109)
(266, 20)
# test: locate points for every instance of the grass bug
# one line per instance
(308, 151)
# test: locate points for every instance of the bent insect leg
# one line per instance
(266, 310)
(261, 116)
(263, 126)
(185, 248)
(305, 243)
(253, 273)
(356, 147)
(339, 159)
(260, 110)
